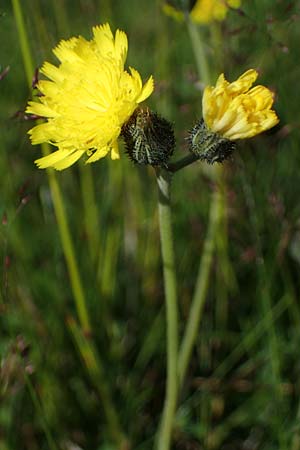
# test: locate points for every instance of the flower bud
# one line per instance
(149, 138)
(208, 145)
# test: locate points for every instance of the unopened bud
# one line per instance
(149, 138)
(208, 145)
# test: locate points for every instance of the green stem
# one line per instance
(24, 43)
(165, 431)
(192, 327)
(181, 163)
(199, 51)
(68, 249)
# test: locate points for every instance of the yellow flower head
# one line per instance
(235, 111)
(206, 11)
(87, 98)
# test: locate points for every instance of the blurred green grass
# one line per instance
(242, 391)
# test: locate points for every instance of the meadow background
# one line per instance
(57, 371)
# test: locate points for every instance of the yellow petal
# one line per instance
(221, 82)
(64, 51)
(244, 82)
(115, 151)
(103, 38)
(68, 160)
(51, 159)
(52, 72)
(146, 91)
(48, 88)
(136, 78)
(121, 45)
(269, 121)
(241, 129)
(100, 153)
(206, 102)
(226, 122)
(40, 110)
(263, 96)
(40, 133)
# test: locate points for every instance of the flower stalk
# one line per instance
(165, 226)
(199, 51)
(181, 163)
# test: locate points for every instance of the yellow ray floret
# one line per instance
(86, 99)
(235, 111)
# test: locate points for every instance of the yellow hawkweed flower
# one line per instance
(206, 11)
(203, 11)
(88, 98)
(231, 111)
(234, 111)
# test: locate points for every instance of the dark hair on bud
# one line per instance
(208, 145)
(149, 138)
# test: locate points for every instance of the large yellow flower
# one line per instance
(88, 98)
(235, 111)
(206, 11)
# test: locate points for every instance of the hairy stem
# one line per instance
(165, 430)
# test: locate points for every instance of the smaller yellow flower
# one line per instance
(234, 111)
(86, 99)
(205, 11)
